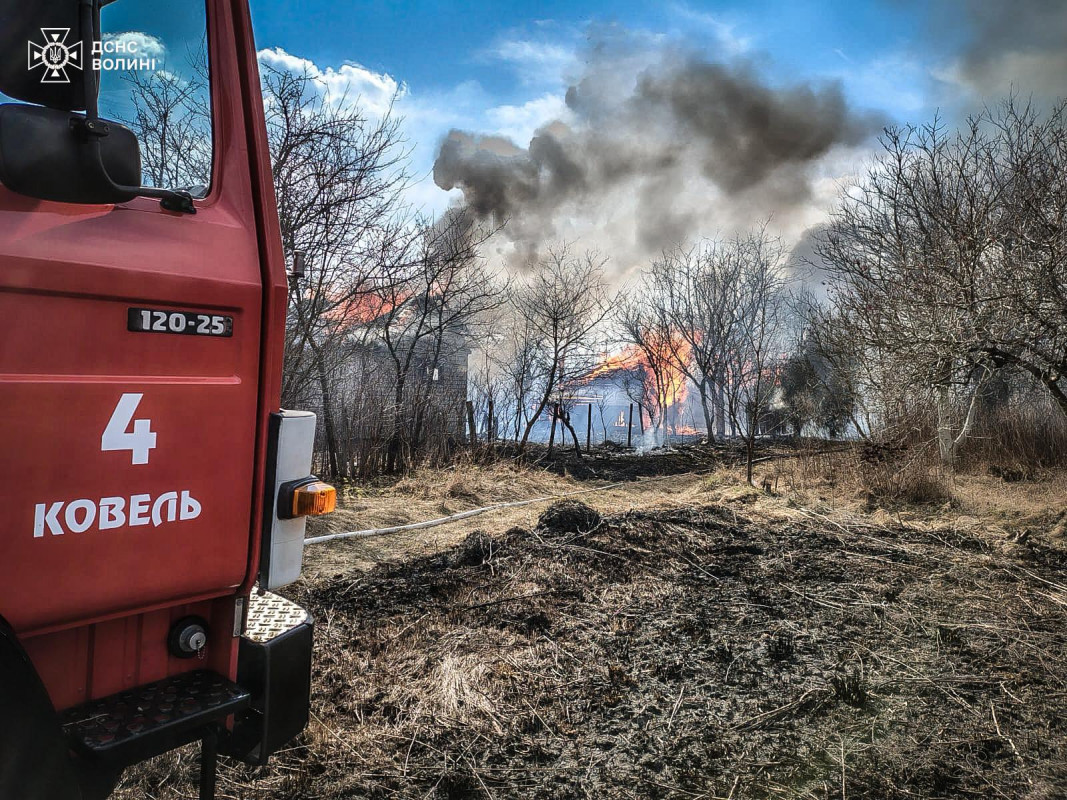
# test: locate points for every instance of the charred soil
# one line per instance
(704, 652)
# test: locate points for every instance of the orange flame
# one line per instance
(632, 357)
(629, 358)
(362, 309)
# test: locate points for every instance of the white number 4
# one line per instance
(140, 442)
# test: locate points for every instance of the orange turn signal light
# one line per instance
(314, 500)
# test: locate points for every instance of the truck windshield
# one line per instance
(155, 79)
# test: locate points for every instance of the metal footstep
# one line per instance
(270, 615)
(131, 726)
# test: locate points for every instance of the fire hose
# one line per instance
(433, 523)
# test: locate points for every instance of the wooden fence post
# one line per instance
(470, 424)
(589, 427)
(630, 428)
(552, 433)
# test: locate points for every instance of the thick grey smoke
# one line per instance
(746, 131)
(1009, 45)
(666, 150)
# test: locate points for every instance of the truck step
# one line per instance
(131, 726)
(271, 615)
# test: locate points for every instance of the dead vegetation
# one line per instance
(747, 648)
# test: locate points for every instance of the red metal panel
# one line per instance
(62, 660)
(94, 607)
(271, 256)
(110, 655)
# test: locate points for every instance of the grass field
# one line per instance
(687, 637)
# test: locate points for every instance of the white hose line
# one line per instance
(433, 523)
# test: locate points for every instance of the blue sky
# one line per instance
(498, 67)
(719, 113)
(435, 46)
(438, 44)
(631, 126)
(500, 71)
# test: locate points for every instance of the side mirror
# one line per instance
(42, 55)
(46, 151)
(43, 154)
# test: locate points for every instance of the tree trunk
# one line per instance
(328, 424)
(393, 454)
(327, 411)
(471, 426)
(709, 417)
(719, 406)
(589, 427)
(565, 421)
(948, 445)
(750, 447)
(552, 432)
(533, 420)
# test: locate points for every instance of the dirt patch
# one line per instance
(610, 462)
(689, 652)
(569, 516)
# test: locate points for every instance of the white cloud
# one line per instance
(535, 62)
(138, 44)
(725, 35)
(519, 122)
(350, 83)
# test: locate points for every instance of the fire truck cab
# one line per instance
(154, 491)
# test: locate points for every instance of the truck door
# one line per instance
(130, 363)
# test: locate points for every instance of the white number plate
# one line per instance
(185, 323)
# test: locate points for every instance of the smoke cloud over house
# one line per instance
(659, 147)
(1018, 46)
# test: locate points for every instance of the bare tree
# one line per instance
(815, 390)
(430, 316)
(561, 304)
(643, 320)
(338, 178)
(694, 292)
(1025, 304)
(171, 118)
(520, 355)
(600, 403)
(757, 343)
(914, 252)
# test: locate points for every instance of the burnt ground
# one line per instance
(712, 652)
(613, 462)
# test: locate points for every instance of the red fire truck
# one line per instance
(154, 492)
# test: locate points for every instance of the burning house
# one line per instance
(625, 400)
(392, 383)
(622, 400)
(662, 405)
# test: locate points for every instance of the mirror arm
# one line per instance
(94, 129)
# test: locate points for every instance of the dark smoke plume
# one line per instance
(746, 130)
(664, 153)
(1009, 45)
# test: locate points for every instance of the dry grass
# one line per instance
(432, 493)
(707, 640)
(749, 649)
(831, 482)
